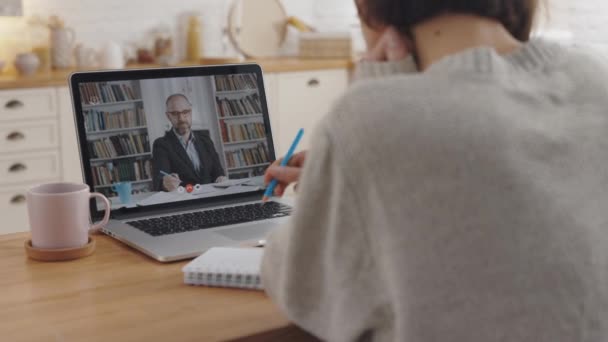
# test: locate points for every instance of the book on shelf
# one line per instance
(236, 82)
(104, 92)
(248, 173)
(119, 145)
(239, 107)
(245, 157)
(239, 132)
(99, 120)
(122, 171)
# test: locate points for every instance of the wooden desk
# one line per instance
(118, 294)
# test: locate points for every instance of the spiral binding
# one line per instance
(223, 278)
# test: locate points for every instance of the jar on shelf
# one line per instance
(193, 41)
(40, 42)
(163, 46)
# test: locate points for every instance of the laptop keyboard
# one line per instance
(211, 218)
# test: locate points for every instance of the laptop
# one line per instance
(180, 153)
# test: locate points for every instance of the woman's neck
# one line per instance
(452, 33)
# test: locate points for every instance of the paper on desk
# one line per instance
(230, 182)
(164, 197)
(204, 189)
(257, 181)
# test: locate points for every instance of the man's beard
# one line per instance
(183, 128)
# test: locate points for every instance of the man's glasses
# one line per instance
(176, 114)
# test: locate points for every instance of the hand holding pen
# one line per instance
(170, 181)
(285, 175)
(270, 190)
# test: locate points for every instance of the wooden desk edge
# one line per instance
(291, 333)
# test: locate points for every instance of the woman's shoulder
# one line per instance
(366, 102)
(588, 60)
(375, 114)
(568, 58)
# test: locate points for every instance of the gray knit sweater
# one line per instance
(467, 203)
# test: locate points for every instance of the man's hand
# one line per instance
(221, 179)
(285, 175)
(391, 46)
(171, 183)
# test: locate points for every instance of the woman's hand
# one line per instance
(389, 45)
(285, 175)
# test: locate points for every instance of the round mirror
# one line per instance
(257, 28)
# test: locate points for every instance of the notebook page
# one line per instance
(227, 260)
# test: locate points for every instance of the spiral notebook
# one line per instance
(226, 267)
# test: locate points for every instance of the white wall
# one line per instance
(129, 20)
(585, 20)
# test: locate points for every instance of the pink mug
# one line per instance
(60, 216)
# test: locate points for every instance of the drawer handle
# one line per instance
(18, 199)
(13, 104)
(314, 83)
(15, 136)
(17, 168)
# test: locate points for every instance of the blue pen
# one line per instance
(292, 149)
(166, 174)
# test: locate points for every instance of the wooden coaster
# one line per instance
(63, 254)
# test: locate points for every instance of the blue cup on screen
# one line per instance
(123, 189)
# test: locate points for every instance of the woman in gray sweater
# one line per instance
(466, 200)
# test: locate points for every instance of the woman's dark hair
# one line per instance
(516, 15)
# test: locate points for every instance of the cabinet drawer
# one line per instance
(28, 136)
(13, 209)
(27, 104)
(304, 98)
(28, 167)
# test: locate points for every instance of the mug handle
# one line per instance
(106, 216)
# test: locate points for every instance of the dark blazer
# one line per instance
(169, 155)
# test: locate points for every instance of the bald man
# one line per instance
(189, 156)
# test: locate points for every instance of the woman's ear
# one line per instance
(392, 45)
(372, 35)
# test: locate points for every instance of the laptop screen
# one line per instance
(162, 140)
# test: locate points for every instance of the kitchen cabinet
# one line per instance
(299, 100)
(303, 99)
(29, 150)
(39, 142)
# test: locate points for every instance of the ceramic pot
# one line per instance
(86, 57)
(111, 56)
(62, 43)
(27, 63)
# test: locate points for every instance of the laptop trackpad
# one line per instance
(250, 232)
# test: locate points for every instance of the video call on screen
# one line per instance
(178, 135)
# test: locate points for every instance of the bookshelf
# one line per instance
(241, 125)
(117, 135)
(136, 155)
(245, 142)
(89, 106)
